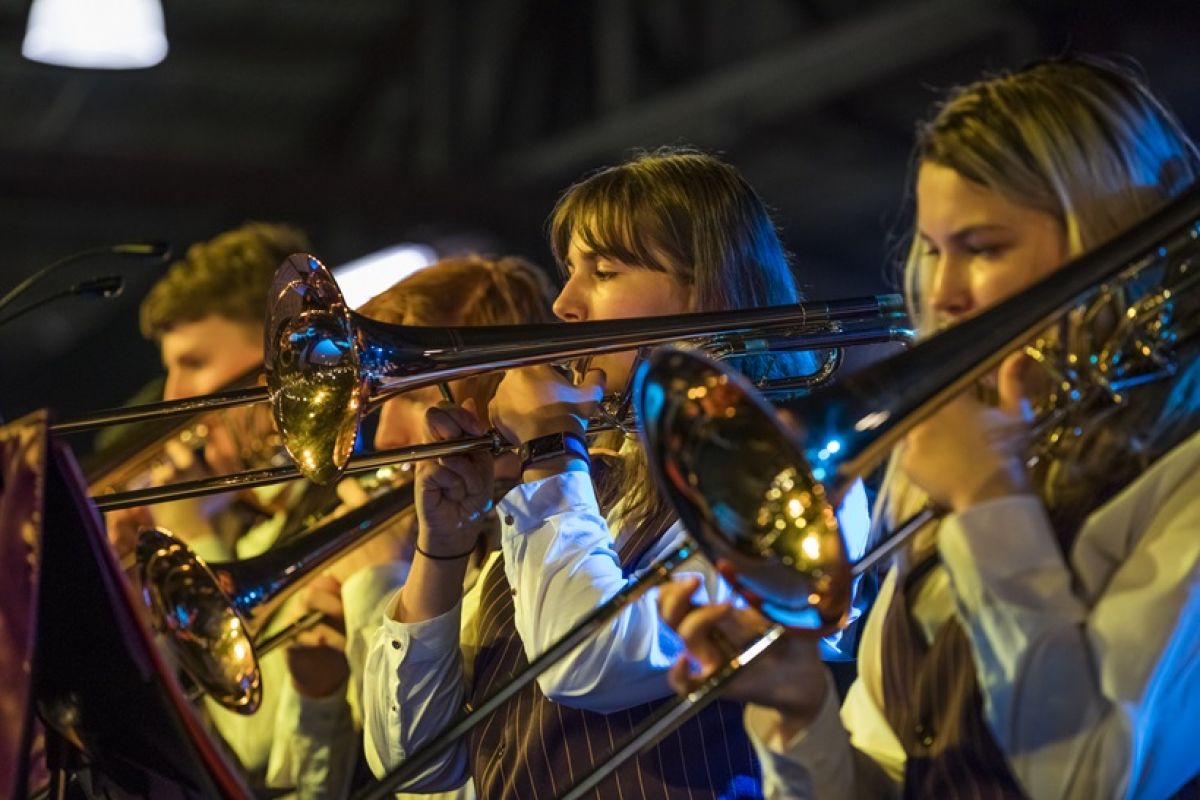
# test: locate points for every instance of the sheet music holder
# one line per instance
(99, 684)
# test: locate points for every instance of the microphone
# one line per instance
(159, 252)
(106, 287)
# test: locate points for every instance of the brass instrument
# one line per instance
(772, 517)
(327, 366)
(211, 613)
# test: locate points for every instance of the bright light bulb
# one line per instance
(363, 278)
(96, 34)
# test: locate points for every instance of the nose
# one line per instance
(571, 304)
(950, 290)
(176, 387)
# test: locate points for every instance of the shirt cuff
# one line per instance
(528, 505)
(763, 724)
(1004, 548)
(322, 714)
(418, 642)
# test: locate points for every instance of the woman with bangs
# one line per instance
(666, 233)
(1041, 639)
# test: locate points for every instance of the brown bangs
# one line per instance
(606, 210)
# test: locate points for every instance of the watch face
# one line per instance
(542, 448)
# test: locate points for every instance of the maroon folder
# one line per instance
(77, 647)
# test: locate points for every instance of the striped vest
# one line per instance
(534, 748)
(933, 704)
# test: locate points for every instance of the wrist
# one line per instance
(1001, 483)
(569, 423)
(556, 452)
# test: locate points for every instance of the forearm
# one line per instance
(433, 588)
(314, 747)
(1085, 701)
(814, 758)
(560, 559)
(412, 688)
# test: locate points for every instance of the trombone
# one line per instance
(770, 523)
(327, 366)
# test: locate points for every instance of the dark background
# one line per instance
(371, 122)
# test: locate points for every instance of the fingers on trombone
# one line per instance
(324, 595)
(595, 380)
(471, 474)
(450, 422)
(675, 599)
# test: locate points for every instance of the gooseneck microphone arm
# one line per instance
(105, 286)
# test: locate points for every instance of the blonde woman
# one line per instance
(1041, 640)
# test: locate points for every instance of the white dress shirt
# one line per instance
(560, 555)
(315, 742)
(1090, 671)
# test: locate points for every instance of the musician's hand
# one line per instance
(188, 519)
(789, 676)
(124, 527)
(316, 658)
(454, 493)
(969, 452)
(537, 401)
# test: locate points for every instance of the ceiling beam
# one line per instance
(812, 69)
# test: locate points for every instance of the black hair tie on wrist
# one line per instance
(417, 547)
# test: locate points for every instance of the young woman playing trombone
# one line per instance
(663, 234)
(1041, 639)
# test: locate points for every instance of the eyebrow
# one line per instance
(965, 232)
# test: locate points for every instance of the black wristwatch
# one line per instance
(553, 445)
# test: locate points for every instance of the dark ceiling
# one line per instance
(375, 121)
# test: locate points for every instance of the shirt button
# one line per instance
(395, 644)
(508, 519)
(924, 735)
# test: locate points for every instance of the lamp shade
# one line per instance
(96, 34)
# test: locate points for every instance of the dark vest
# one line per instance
(535, 748)
(934, 705)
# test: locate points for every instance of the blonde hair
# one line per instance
(468, 290)
(1080, 139)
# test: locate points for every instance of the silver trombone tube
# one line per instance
(681, 709)
(327, 366)
(167, 408)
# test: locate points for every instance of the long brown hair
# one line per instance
(693, 216)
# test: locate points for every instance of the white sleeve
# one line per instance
(314, 746)
(412, 688)
(820, 761)
(560, 559)
(1094, 699)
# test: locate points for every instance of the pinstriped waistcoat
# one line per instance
(535, 748)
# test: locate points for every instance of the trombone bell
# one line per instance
(189, 602)
(313, 368)
(753, 506)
